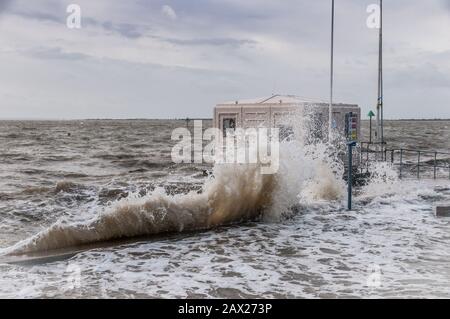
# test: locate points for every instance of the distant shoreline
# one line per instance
(103, 119)
(180, 119)
(411, 120)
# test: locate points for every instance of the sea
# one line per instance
(98, 209)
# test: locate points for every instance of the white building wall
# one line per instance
(276, 115)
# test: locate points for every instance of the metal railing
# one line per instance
(418, 163)
(370, 152)
(434, 161)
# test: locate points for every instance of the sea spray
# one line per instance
(308, 174)
(383, 180)
(234, 193)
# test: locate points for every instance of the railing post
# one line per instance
(360, 160)
(435, 164)
(418, 166)
(401, 162)
(367, 159)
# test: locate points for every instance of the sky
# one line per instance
(179, 58)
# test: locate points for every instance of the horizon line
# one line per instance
(179, 119)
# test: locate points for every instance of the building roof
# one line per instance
(278, 99)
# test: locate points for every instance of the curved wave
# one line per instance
(235, 193)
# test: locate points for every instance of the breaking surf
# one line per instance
(234, 193)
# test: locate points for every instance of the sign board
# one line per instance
(351, 126)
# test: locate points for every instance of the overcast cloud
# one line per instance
(178, 58)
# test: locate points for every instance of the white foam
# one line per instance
(235, 192)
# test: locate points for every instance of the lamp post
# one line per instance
(380, 106)
(330, 115)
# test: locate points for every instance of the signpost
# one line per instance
(350, 145)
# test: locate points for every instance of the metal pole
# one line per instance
(360, 160)
(330, 111)
(370, 127)
(350, 171)
(379, 130)
(367, 158)
(381, 93)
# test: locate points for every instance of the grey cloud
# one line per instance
(446, 4)
(210, 41)
(4, 4)
(42, 16)
(424, 76)
(55, 53)
(287, 41)
(211, 10)
(127, 30)
(134, 31)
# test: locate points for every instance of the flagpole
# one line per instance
(381, 72)
(380, 115)
(330, 114)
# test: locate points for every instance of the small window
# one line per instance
(228, 124)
